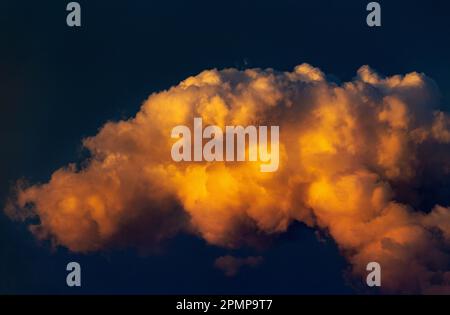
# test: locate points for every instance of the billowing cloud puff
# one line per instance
(356, 161)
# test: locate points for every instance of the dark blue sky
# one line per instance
(59, 85)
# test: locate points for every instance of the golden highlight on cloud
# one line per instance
(352, 158)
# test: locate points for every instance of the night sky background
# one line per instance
(60, 84)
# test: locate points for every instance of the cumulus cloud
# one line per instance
(230, 265)
(356, 161)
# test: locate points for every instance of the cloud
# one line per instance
(230, 265)
(358, 161)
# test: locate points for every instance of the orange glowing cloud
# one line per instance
(344, 152)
